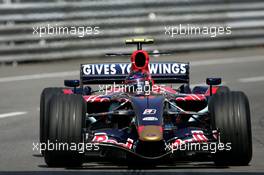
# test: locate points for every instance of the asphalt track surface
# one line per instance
(20, 88)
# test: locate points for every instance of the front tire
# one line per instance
(66, 121)
(230, 114)
(45, 98)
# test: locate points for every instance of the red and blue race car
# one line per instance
(136, 116)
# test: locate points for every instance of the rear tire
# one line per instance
(66, 121)
(230, 114)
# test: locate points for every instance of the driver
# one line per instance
(138, 83)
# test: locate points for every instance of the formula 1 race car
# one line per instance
(136, 116)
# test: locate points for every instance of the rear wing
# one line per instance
(117, 72)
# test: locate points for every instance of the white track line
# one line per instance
(39, 76)
(251, 79)
(12, 114)
(74, 73)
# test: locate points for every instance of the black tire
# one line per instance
(66, 121)
(230, 113)
(45, 97)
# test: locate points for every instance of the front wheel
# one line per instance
(230, 114)
(66, 121)
(45, 98)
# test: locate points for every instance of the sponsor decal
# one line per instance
(149, 111)
(150, 119)
(197, 136)
(123, 69)
(102, 137)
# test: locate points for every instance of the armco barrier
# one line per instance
(121, 19)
